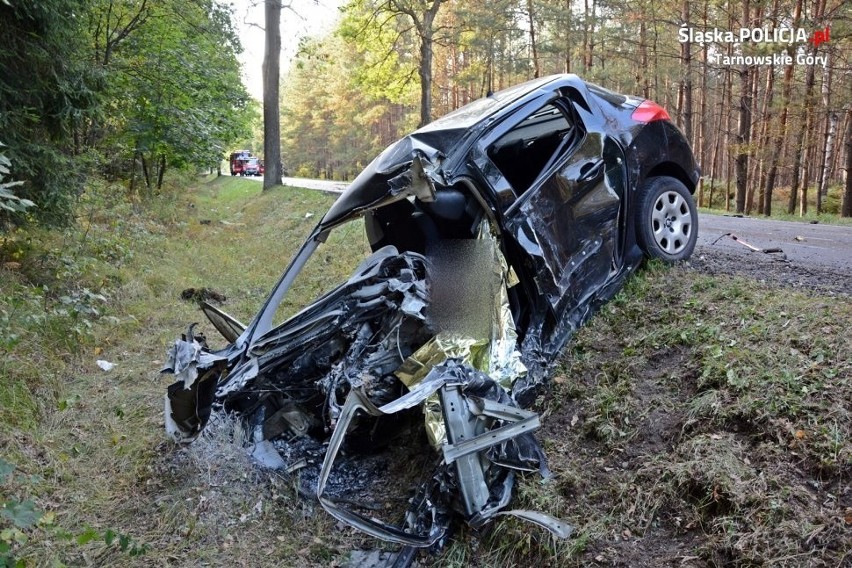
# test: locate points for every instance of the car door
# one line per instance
(568, 217)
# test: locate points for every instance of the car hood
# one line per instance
(410, 166)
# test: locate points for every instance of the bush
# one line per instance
(8, 200)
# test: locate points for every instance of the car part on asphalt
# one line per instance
(773, 250)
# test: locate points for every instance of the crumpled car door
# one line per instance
(568, 221)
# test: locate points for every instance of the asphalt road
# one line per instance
(805, 244)
(827, 246)
(318, 184)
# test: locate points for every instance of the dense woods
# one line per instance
(765, 118)
(129, 89)
(124, 89)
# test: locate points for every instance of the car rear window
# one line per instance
(607, 95)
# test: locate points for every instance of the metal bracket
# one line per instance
(461, 426)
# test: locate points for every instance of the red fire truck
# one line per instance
(238, 162)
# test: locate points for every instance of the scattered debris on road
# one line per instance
(773, 250)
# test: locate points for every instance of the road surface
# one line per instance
(809, 255)
(827, 246)
(318, 184)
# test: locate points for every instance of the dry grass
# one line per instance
(695, 421)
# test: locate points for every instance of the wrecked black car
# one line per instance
(495, 232)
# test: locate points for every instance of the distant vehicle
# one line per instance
(251, 167)
(238, 161)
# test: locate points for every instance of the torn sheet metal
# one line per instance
(471, 436)
(357, 334)
(189, 400)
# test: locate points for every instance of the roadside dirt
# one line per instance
(776, 269)
(805, 256)
(673, 449)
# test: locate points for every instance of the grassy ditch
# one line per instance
(695, 421)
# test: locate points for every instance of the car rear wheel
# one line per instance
(667, 219)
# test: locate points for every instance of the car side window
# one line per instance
(523, 153)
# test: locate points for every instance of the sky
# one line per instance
(304, 19)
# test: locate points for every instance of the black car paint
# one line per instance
(548, 305)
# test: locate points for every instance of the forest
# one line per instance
(768, 114)
(126, 90)
(122, 90)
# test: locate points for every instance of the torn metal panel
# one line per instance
(229, 327)
(477, 442)
(189, 400)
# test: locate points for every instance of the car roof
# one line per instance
(440, 140)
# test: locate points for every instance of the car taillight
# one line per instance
(649, 111)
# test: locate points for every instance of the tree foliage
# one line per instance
(772, 126)
(173, 85)
(46, 92)
(334, 126)
(123, 88)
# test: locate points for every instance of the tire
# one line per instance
(666, 219)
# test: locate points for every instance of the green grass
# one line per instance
(89, 445)
(694, 416)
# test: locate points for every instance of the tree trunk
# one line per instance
(743, 126)
(743, 131)
(803, 145)
(729, 127)
(754, 137)
(592, 35)
(766, 115)
(145, 175)
(161, 171)
(586, 35)
(424, 69)
(271, 111)
(781, 136)
(717, 142)
(568, 44)
(775, 149)
(830, 131)
(685, 90)
(702, 111)
(642, 84)
(828, 152)
(846, 207)
(533, 46)
(132, 185)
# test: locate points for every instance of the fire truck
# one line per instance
(238, 162)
